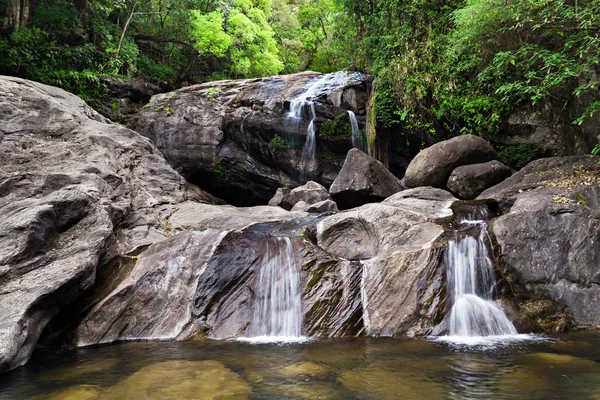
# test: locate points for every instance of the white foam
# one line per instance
(274, 339)
(493, 341)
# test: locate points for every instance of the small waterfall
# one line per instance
(278, 307)
(357, 141)
(302, 107)
(471, 278)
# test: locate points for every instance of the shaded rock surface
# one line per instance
(362, 180)
(72, 185)
(468, 181)
(550, 235)
(309, 193)
(234, 137)
(433, 165)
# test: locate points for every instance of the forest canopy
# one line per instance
(442, 67)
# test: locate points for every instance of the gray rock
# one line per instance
(309, 193)
(362, 180)
(300, 206)
(322, 207)
(468, 181)
(75, 190)
(233, 137)
(277, 199)
(550, 238)
(433, 165)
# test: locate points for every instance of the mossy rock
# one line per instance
(77, 371)
(79, 392)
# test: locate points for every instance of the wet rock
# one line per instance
(306, 368)
(382, 384)
(362, 180)
(233, 137)
(309, 193)
(74, 191)
(550, 236)
(468, 181)
(180, 380)
(79, 370)
(79, 392)
(396, 241)
(433, 165)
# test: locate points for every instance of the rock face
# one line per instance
(362, 180)
(70, 183)
(309, 193)
(550, 235)
(234, 137)
(433, 165)
(468, 181)
(402, 285)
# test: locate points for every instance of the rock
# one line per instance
(306, 368)
(382, 384)
(79, 370)
(323, 207)
(396, 242)
(362, 180)
(233, 137)
(78, 392)
(300, 206)
(468, 181)
(278, 197)
(171, 380)
(309, 193)
(550, 235)
(75, 190)
(433, 165)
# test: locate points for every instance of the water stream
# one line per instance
(474, 315)
(357, 141)
(278, 309)
(302, 108)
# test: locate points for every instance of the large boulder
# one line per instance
(309, 193)
(362, 180)
(75, 191)
(433, 165)
(237, 136)
(468, 181)
(550, 234)
(399, 243)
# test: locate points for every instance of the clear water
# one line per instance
(474, 314)
(278, 310)
(567, 367)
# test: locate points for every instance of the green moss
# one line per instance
(519, 155)
(159, 108)
(327, 155)
(211, 92)
(168, 110)
(221, 174)
(581, 200)
(337, 129)
(281, 143)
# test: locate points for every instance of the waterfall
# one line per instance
(472, 281)
(357, 141)
(278, 307)
(302, 107)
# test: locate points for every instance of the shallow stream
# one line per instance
(566, 367)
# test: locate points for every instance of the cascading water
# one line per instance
(471, 278)
(302, 107)
(278, 308)
(357, 141)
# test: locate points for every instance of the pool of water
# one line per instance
(566, 367)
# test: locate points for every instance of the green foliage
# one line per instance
(168, 111)
(336, 129)
(519, 155)
(327, 155)
(211, 92)
(57, 16)
(221, 174)
(596, 150)
(281, 143)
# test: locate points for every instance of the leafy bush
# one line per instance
(282, 143)
(337, 129)
(519, 155)
(59, 16)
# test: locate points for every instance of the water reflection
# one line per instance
(365, 368)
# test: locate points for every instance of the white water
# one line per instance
(278, 307)
(475, 318)
(357, 141)
(302, 107)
